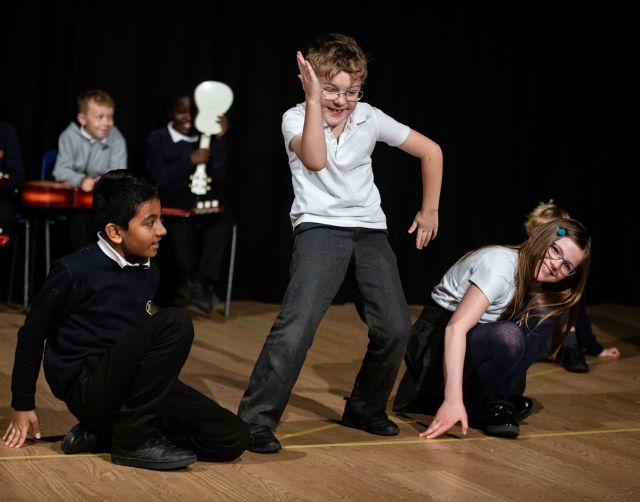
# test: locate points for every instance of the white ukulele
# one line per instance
(212, 99)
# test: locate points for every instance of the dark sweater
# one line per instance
(169, 165)
(86, 305)
(10, 158)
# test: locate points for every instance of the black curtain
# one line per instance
(527, 103)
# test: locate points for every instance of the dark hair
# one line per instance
(117, 197)
(176, 95)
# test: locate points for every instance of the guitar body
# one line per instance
(55, 195)
(212, 99)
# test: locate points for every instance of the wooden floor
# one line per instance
(582, 442)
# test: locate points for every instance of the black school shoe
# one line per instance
(378, 424)
(156, 453)
(197, 294)
(262, 440)
(572, 359)
(80, 440)
(522, 406)
(495, 417)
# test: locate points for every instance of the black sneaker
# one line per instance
(495, 417)
(378, 424)
(522, 406)
(80, 440)
(156, 453)
(197, 294)
(262, 440)
(571, 357)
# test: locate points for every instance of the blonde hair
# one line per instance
(548, 300)
(543, 213)
(98, 96)
(333, 53)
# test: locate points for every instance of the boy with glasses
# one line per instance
(337, 220)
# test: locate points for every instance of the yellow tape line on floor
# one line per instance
(540, 435)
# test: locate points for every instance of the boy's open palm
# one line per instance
(308, 78)
(16, 433)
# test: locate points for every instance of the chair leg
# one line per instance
(27, 254)
(232, 261)
(47, 245)
(12, 272)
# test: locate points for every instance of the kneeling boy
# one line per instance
(114, 364)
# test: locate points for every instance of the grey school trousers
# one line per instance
(321, 256)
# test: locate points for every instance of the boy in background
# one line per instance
(86, 152)
(198, 242)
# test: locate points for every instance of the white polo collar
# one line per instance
(106, 248)
(178, 136)
(91, 139)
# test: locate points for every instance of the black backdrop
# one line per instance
(527, 103)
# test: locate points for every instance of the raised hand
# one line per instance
(307, 76)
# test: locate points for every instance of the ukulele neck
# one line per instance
(205, 140)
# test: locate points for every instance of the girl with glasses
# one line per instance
(486, 322)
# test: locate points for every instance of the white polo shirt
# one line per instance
(342, 194)
(492, 269)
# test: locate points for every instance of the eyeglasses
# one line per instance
(348, 95)
(555, 253)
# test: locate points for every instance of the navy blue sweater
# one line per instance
(169, 165)
(86, 305)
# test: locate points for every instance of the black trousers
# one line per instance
(133, 392)
(497, 357)
(199, 244)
